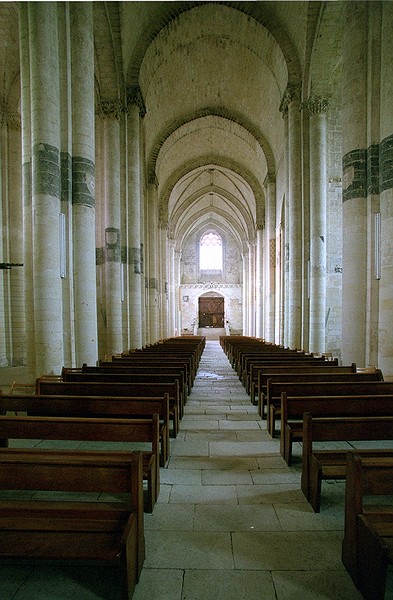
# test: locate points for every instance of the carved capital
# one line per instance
(111, 109)
(292, 92)
(134, 97)
(316, 104)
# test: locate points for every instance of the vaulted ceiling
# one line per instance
(212, 76)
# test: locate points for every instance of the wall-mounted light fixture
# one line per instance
(8, 266)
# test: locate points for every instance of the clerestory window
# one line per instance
(210, 252)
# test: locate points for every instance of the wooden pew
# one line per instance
(299, 386)
(51, 386)
(294, 407)
(368, 529)
(141, 368)
(318, 465)
(250, 379)
(190, 343)
(259, 371)
(93, 429)
(164, 353)
(234, 346)
(136, 361)
(278, 358)
(94, 406)
(245, 358)
(116, 377)
(71, 530)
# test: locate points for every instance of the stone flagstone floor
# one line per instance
(231, 522)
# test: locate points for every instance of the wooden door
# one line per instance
(211, 312)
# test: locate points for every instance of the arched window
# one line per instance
(210, 252)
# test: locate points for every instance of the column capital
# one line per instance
(152, 178)
(134, 97)
(260, 224)
(316, 104)
(111, 109)
(292, 92)
(269, 179)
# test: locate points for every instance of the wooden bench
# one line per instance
(136, 431)
(318, 465)
(142, 368)
(259, 372)
(367, 549)
(136, 361)
(163, 353)
(235, 346)
(70, 529)
(94, 406)
(51, 386)
(278, 359)
(294, 407)
(116, 377)
(250, 381)
(325, 385)
(244, 359)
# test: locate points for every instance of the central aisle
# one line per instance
(231, 521)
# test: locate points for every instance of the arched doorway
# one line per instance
(211, 310)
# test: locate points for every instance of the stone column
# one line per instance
(280, 277)
(354, 118)
(251, 288)
(270, 258)
(259, 284)
(4, 279)
(12, 195)
(385, 359)
(83, 177)
(176, 294)
(172, 287)
(246, 330)
(317, 107)
(114, 341)
(45, 142)
(283, 307)
(136, 110)
(26, 187)
(291, 103)
(163, 268)
(153, 252)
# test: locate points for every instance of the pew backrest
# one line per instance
(358, 386)
(93, 407)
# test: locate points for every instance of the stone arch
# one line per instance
(244, 173)
(222, 112)
(250, 226)
(166, 15)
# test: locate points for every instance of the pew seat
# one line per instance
(319, 465)
(92, 530)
